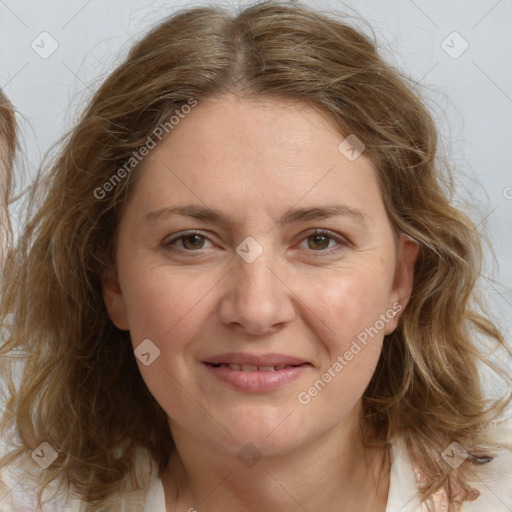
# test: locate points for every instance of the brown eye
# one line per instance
(318, 242)
(188, 242)
(193, 242)
(323, 241)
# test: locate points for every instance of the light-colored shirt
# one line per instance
(403, 496)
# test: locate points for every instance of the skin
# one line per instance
(254, 160)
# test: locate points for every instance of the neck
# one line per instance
(335, 473)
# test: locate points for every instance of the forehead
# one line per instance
(268, 151)
(282, 129)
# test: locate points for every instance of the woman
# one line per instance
(245, 288)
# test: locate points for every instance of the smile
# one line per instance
(256, 378)
(254, 368)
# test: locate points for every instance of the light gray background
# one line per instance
(471, 95)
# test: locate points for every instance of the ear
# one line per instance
(408, 251)
(114, 300)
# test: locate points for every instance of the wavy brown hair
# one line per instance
(81, 390)
(8, 147)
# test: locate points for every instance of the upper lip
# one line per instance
(256, 360)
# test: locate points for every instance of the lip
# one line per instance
(256, 381)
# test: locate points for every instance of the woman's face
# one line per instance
(252, 239)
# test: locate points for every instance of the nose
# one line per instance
(257, 300)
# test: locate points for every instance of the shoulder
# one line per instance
(19, 483)
(494, 485)
(19, 486)
(18, 492)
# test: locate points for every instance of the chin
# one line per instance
(273, 434)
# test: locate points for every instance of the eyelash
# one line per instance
(317, 232)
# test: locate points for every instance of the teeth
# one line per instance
(254, 368)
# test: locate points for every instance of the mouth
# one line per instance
(253, 373)
(255, 368)
(245, 362)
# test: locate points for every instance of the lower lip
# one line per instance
(257, 381)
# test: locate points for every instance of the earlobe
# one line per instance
(114, 300)
(408, 251)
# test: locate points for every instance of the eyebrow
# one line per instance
(207, 214)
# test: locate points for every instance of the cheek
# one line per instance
(347, 304)
(163, 304)
(345, 315)
(169, 309)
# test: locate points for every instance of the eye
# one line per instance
(191, 241)
(320, 240)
